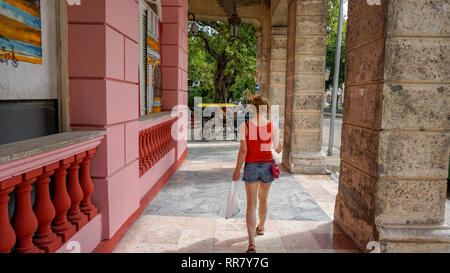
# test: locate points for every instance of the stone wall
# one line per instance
(303, 119)
(394, 152)
(265, 53)
(278, 73)
(414, 141)
(355, 202)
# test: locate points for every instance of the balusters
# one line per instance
(155, 143)
(24, 220)
(168, 137)
(45, 212)
(8, 236)
(172, 142)
(76, 193)
(164, 138)
(87, 186)
(141, 153)
(148, 162)
(61, 201)
(45, 226)
(158, 140)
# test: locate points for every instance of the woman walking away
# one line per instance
(257, 135)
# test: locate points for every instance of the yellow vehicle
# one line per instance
(206, 130)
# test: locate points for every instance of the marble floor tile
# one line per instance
(334, 241)
(200, 223)
(196, 237)
(229, 249)
(233, 224)
(147, 247)
(299, 240)
(187, 216)
(230, 238)
(269, 240)
(194, 249)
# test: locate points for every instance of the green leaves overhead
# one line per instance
(224, 66)
(332, 33)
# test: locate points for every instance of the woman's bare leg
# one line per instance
(252, 199)
(263, 193)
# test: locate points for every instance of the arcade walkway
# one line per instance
(187, 215)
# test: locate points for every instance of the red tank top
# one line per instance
(259, 140)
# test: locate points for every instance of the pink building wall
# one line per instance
(104, 94)
(175, 57)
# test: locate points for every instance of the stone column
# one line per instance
(264, 56)
(258, 35)
(305, 84)
(278, 73)
(395, 137)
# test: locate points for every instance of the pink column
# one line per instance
(174, 47)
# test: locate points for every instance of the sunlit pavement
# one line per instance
(188, 214)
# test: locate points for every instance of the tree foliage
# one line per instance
(332, 35)
(224, 66)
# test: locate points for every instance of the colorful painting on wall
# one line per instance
(154, 83)
(20, 31)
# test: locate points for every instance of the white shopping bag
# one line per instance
(233, 205)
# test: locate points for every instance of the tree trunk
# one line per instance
(221, 84)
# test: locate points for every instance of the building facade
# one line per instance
(113, 125)
(107, 133)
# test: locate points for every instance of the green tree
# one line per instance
(224, 66)
(332, 33)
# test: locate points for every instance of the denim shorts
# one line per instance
(258, 171)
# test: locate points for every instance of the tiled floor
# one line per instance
(187, 215)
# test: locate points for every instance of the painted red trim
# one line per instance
(108, 246)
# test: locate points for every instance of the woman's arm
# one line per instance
(242, 152)
(276, 138)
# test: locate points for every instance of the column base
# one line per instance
(414, 239)
(91, 211)
(308, 163)
(49, 244)
(80, 222)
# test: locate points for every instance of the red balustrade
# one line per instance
(154, 143)
(76, 193)
(24, 220)
(8, 238)
(45, 212)
(61, 200)
(50, 222)
(87, 186)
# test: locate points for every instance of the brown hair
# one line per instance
(257, 101)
